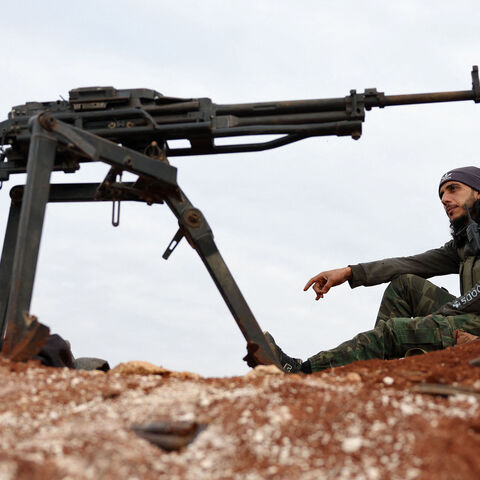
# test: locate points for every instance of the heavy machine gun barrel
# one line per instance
(136, 118)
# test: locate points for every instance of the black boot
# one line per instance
(289, 364)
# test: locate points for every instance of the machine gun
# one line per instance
(132, 130)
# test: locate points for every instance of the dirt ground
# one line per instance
(363, 421)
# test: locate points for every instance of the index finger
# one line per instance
(310, 283)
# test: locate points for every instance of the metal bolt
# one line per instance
(112, 124)
(47, 122)
(193, 218)
(127, 161)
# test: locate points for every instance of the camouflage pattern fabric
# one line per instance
(405, 320)
(411, 296)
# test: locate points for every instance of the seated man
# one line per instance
(414, 313)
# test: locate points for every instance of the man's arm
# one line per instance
(326, 280)
(439, 261)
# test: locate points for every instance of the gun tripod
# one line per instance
(156, 183)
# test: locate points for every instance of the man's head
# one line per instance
(459, 187)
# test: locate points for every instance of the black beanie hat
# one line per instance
(468, 175)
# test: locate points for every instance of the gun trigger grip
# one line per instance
(173, 244)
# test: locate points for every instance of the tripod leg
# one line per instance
(41, 157)
(200, 236)
(191, 221)
(7, 262)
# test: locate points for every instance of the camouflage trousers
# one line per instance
(406, 320)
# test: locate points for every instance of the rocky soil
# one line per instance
(414, 418)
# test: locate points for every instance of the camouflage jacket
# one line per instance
(439, 261)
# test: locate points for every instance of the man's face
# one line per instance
(454, 195)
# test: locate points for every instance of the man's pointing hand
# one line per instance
(326, 280)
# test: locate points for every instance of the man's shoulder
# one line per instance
(450, 245)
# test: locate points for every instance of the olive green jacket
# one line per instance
(439, 261)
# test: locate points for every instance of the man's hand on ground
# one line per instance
(326, 280)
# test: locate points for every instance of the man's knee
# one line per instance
(429, 333)
(407, 281)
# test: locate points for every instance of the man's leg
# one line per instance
(411, 296)
(394, 337)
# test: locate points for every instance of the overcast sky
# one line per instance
(280, 216)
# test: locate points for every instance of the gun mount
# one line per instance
(132, 130)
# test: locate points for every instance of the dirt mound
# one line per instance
(362, 421)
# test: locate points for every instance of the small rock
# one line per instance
(169, 435)
(353, 377)
(352, 444)
(137, 367)
(373, 473)
(388, 381)
(407, 409)
(91, 364)
(206, 463)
